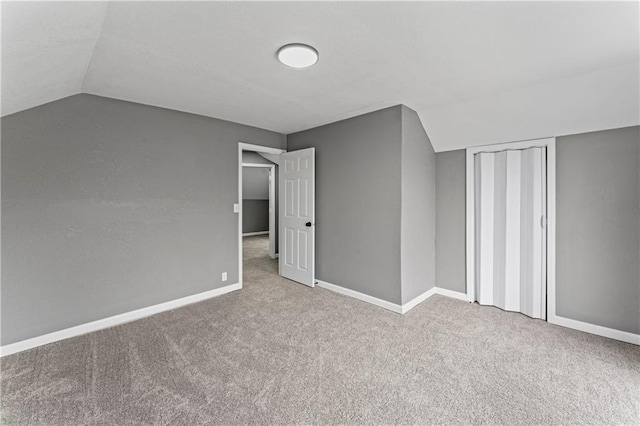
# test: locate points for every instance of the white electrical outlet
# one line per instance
(224, 276)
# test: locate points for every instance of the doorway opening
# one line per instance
(292, 210)
(257, 207)
(259, 201)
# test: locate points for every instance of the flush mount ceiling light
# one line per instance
(298, 55)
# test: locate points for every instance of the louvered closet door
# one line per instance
(510, 200)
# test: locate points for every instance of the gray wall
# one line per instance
(418, 242)
(451, 239)
(255, 158)
(255, 199)
(255, 216)
(598, 228)
(358, 185)
(255, 183)
(110, 206)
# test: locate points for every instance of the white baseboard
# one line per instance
(114, 320)
(360, 296)
(417, 300)
(611, 333)
(251, 234)
(427, 294)
(394, 307)
(453, 294)
(598, 330)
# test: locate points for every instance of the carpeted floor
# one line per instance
(277, 352)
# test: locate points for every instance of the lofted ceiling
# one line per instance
(477, 73)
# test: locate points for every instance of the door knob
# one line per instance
(308, 224)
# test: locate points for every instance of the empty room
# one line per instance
(287, 213)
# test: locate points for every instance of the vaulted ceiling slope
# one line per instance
(46, 50)
(476, 73)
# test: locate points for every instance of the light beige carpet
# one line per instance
(277, 352)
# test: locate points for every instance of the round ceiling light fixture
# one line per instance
(297, 55)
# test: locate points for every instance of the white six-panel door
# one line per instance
(297, 215)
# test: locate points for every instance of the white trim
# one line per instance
(453, 294)
(611, 333)
(114, 320)
(258, 148)
(272, 211)
(550, 144)
(257, 165)
(251, 234)
(551, 231)
(360, 296)
(242, 146)
(394, 307)
(417, 300)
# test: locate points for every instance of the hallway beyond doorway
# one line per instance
(255, 258)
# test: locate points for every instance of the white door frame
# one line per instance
(550, 144)
(272, 201)
(242, 146)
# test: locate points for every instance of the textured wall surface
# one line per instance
(451, 239)
(418, 208)
(358, 185)
(110, 206)
(598, 235)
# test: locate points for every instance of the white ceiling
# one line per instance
(46, 50)
(476, 73)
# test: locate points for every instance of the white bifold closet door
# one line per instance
(510, 204)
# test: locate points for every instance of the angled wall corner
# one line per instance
(358, 186)
(376, 212)
(51, 46)
(418, 209)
